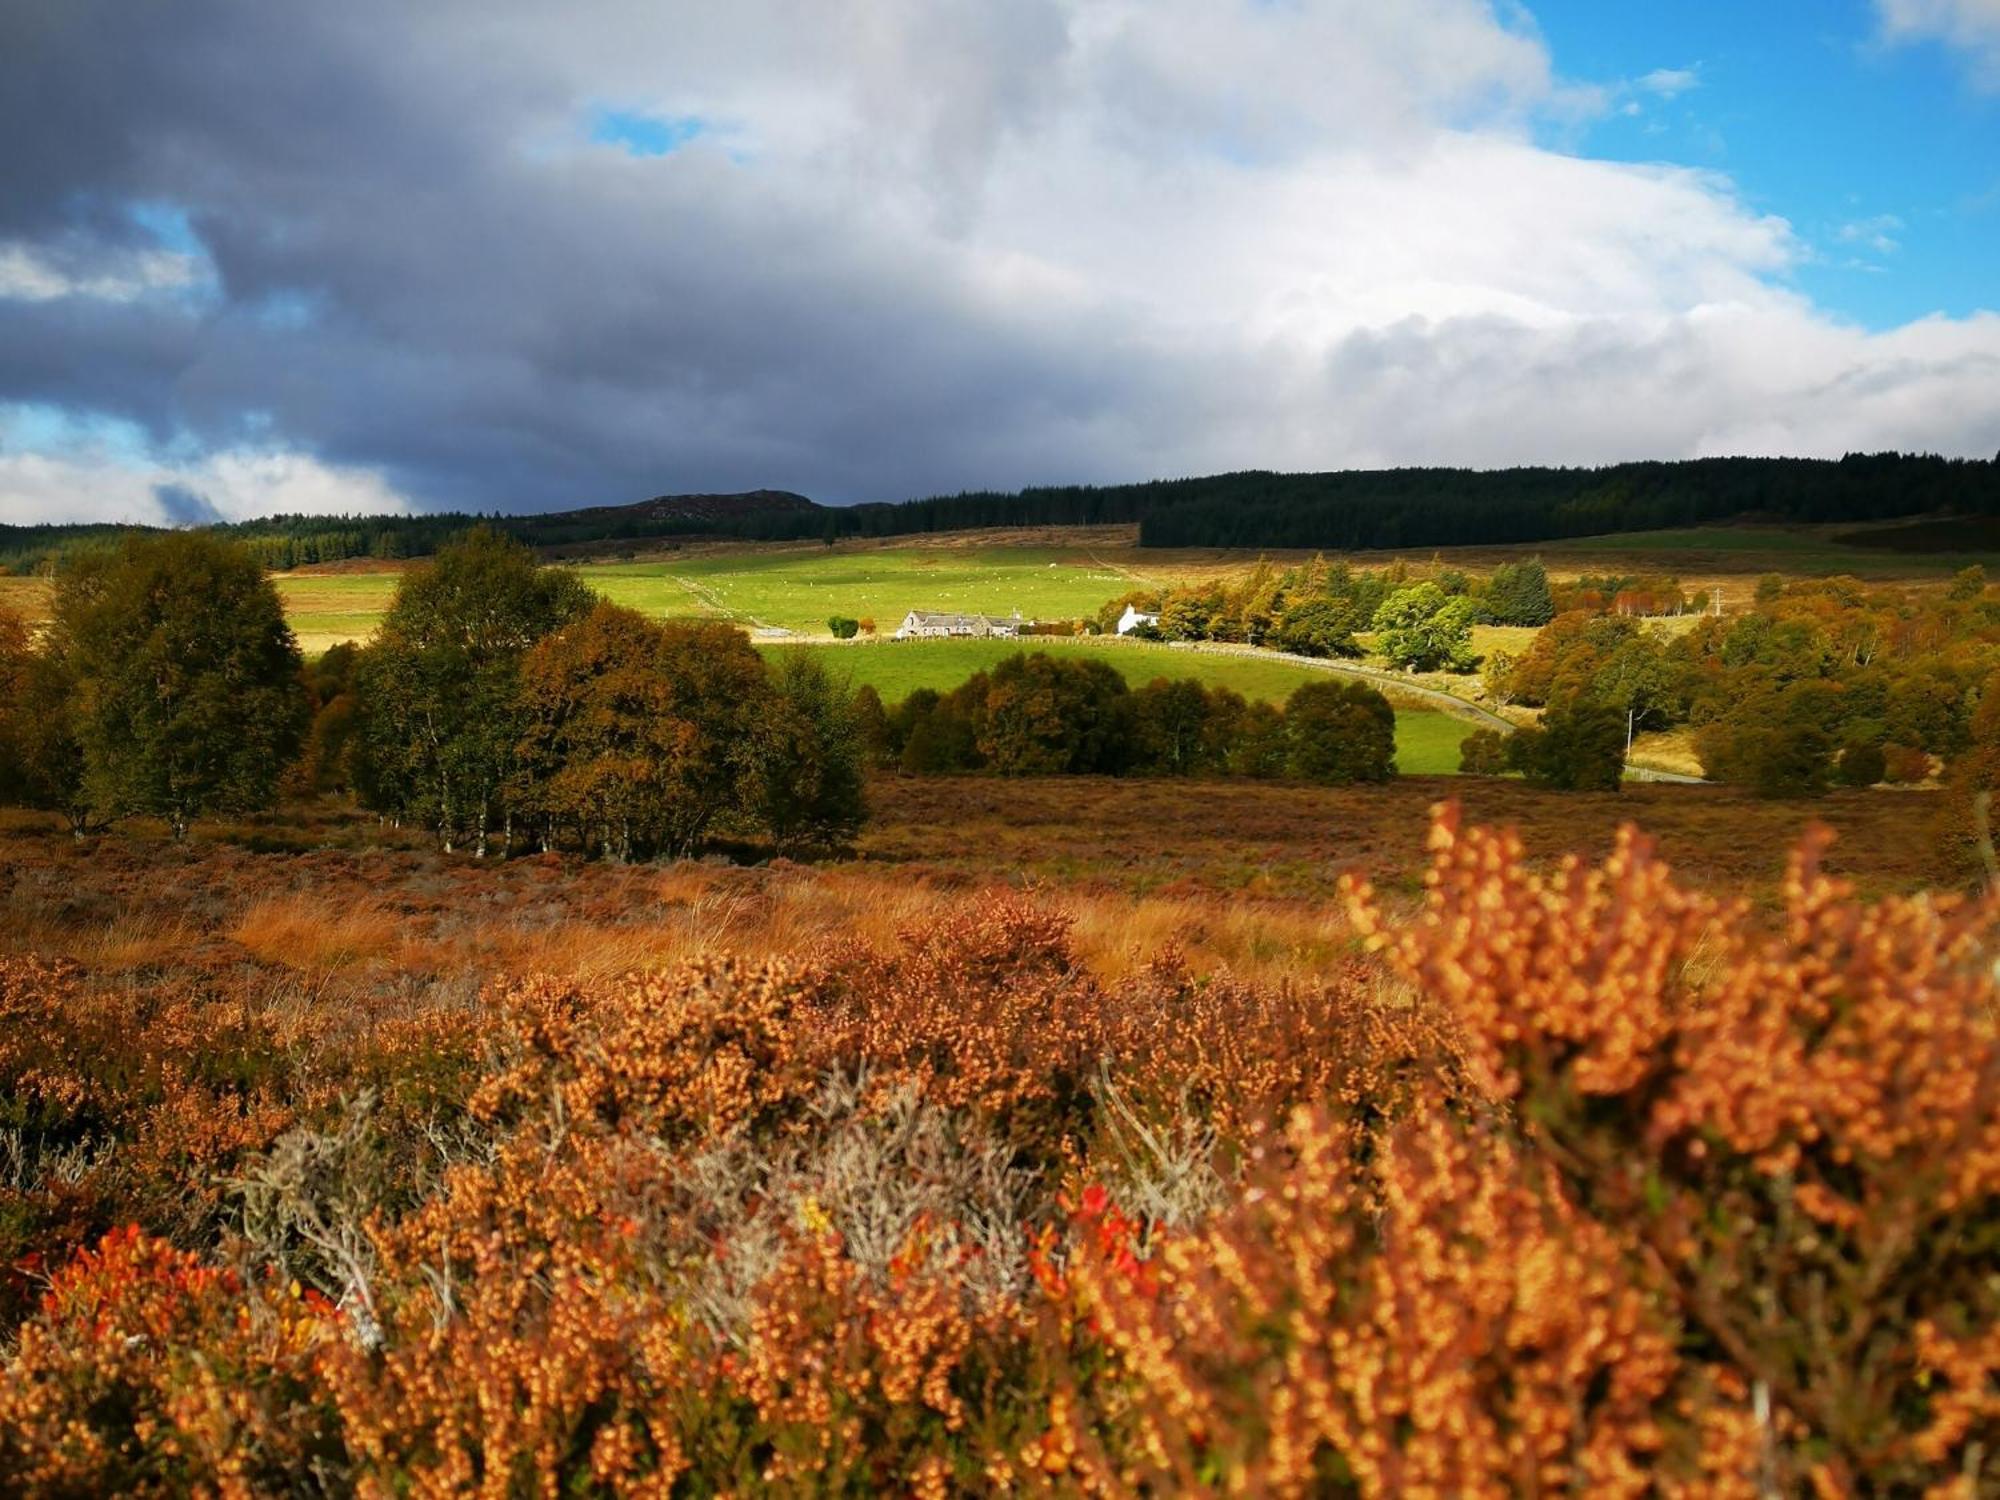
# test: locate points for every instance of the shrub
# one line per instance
(1862, 764)
(843, 628)
(1483, 753)
(1790, 1131)
(1578, 1182)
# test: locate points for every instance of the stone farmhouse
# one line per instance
(920, 624)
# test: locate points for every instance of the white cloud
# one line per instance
(1973, 26)
(1669, 83)
(29, 274)
(95, 483)
(1877, 232)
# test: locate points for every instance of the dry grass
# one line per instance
(1238, 877)
(309, 932)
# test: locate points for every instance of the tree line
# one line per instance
(1351, 510)
(1036, 714)
(1346, 510)
(1422, 624)
(1819, 681)
(501, 705)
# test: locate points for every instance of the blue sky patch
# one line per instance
(642, 134)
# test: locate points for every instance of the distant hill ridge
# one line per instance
(1346, 510)
(695, 508)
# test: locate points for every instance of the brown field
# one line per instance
(1241, 876)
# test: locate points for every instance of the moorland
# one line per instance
(563, 1047)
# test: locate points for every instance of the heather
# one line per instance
(1536, 1174)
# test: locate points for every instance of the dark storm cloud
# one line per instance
(485, 327)
(183, 507)
(906, 246)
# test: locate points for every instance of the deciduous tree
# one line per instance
(1423, 629)
(1340, 732)
(809, 791)
(184, 674)
(637, 733)
(438, 689)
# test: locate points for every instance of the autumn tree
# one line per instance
(438, 702)
(1318, 627)
(1862, 763)
(1774, 757)
(871, 723)
(1257, 744)
(1039, 715)
(326, 764)
(47, 749)
(16, 661)
(637, 734)
(933, 735)
(184, 675)
(1483, 753)
(1171, 728)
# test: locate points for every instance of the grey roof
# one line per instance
(934, 617)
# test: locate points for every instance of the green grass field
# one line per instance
(786, 589)
(1427, 742)
(799, 590)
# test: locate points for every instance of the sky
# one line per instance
(482, 255)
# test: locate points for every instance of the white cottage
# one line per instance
(929, 625)
(1132, 619)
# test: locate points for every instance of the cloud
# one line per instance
(1877, 233)
(916, 245)
(33, 274)
(1972, 26)
(1669, 83)
(181, 506)
(54, 467)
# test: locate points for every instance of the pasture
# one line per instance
(797, 590)
(787, 589)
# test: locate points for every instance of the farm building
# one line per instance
(921, 624)
(1132, 619)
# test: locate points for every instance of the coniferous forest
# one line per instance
(1345, 510)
